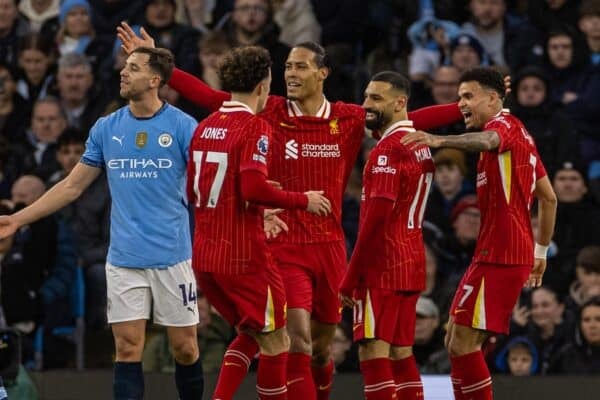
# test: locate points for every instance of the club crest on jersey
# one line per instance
(334, 129)
(165, 139)
(382, 160)
(263, 145)
(141, 138)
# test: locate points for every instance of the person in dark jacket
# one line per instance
(582, 355)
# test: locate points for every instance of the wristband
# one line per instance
(540, 251)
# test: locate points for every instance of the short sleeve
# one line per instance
(385, 171)
(256, 147)
(540, 170)
(506, 132)
(93, 154)
(187, 126)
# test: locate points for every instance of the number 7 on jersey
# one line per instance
(218, 158)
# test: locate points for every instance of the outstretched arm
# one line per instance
(61, 194)
(185, 84)
(472, 141)
(435, 116)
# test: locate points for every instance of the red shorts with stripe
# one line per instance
(312, 274)
(387, 315)
(253, 301)
(487, 294)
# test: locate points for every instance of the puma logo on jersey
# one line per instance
(118, 139)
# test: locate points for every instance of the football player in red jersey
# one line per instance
(315, 144)
(387, 269)
(227, 181)
(509, 174)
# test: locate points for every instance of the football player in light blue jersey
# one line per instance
(144, 149)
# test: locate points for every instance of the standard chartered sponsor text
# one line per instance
(321, 150)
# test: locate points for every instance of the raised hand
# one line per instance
(130, 40)
(317, 203)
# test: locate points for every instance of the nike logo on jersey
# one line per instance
(118, 139)
(459, 310)
(324, 387)
(283, 124)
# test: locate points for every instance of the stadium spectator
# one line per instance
(212, 49)
(489, 26)
(106, 14)
(519, 357)
(36, 64)
(12, 27)
(466, 52)
(37, 12)
(582, 355)
(587, 281)
(38, 272)
(545, 323)
(577, 224)
(296, 21)
(181, 39)
(342, 21)
(545, 121)
(429, 335)
(37, 152)
(449, 187)
(82, 101)
(202, 15)
(547, 15)
(14, 113)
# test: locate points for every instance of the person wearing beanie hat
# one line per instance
(570, 182)
(76, 31)
(466, 52)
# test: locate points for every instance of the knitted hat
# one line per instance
(68, 5)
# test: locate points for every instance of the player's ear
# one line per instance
(401, 103)
(323, 73)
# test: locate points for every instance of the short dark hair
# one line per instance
(70, 136)
(396, 79)
(486, 77)
(243, 68)
(320, 58)
(589, 8)
(160, 61)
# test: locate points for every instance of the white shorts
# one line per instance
(170, 293)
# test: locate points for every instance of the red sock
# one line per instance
(379, 380)
(456, 381)
(323, 378)
(407, 378)
(234, 368)
(299, 378)
(270, 379)
(476, 382)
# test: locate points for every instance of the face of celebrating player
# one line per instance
(303, 77)
(477, 104)
(380, 103)
(137, 78)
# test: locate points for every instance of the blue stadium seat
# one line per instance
(75, 332)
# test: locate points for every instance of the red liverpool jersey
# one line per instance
(404, 176)
(229, 235)
(506, 180)
(313, 153)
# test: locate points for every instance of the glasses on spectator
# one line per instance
(248, 9)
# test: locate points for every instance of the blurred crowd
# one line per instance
(59, 72)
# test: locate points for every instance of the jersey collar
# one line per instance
(404, 125)
(323, 112)
(235, 106)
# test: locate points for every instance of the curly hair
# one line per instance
(243, 68)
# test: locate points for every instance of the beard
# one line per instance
(380, 120)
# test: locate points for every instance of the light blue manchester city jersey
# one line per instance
(145, 161)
